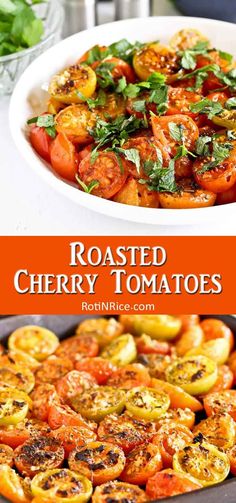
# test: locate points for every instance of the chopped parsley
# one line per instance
(45, 121)
(188, 57)
(160, 179)
(206, 106)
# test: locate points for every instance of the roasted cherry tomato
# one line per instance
(118, 68)
(107, 171)
(156, 364)
(178, 397)
(74, 383)
(179, 101)
(6, 455)
(62, 486)
(73, 84)
(37, 455)
(14, 406)
(54, 106)
(135, 194)
(218, 97)
(217, 329)
(170, 483)
(126, 431)
(163, 327)
(188, 321)
(76, 347)
(17, 376)
(99, 368)
(155, 58)
(189, 130)
(224, 401)
(183, 168)
(64, 158)
(217, 350)
(19, 358)
(187, 39)
(15, 435)
(75, 122)
(232, 364)
(147, 403)
(12, 486)
(98, 461)
(43, 396)
(232, 459)
(130, 376)
(105, 330)
(146, 148)
(52, 369)
(118, 491)
(195, 374)
(121, 351)
(191, 338)
(114, 106)
(171, 438)
(187, 196)
(218, 179)
(203, 461)
(224, 380)
(34, 340)
(227, 197)
(40, 141)
(95, 404)
(62, 415)
(185, 417)
(142, 463)
(218, 430)
(72, 437)
(146, 345)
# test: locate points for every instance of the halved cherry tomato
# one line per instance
(232, 459)
(179, 101)
(62, 415)
(52, 369)
(115, 105)
(146, 345)
(12, 486)
(40, 141)
(118, 491)
(75, 122)
(170, 483)
(130, 376)
(183, 167)
(105, 330)
(214, 329)
(74, 383)
(141, 463)
(75, 347)
(191, 338)
(84, 152)
(213, 82)
(72, 437)
(85, 57)
(224, 380)
(14, 406)
(188, 320)
(19, 358)
(218, 430)
(98, 461)
(61, 486)
(120, 69)
(126, 431)
(6, 455)
(15, 435)
(185, 417)
(162, 327)
(43, 396)
(178, 397)
(135, 194)
(71, 83)
(64, 158)
(33, 340)
(17, 376)
(187, 39)
(190, 131)
(203, 461)
(227, 197)
(195, 374)
(95, 404)
(147, 403)
(99, 368)
(37, 455)
(218, 97)
(155, 57)
(218, 179)
(217, 350)
(187, 196)
(109, 173)
(156, 364)
(223, 401)
(171, 438)
(121, 350)
(147, 152)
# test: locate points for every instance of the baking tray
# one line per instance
(64, 326)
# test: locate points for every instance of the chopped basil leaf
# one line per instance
(225, 55)
(161, 179)
(188, 57)
(206, 106)
(104, 74)
(202, 147)
(220, 152)
(87, 188)
(132, 155)
(116, 131)
(45, 121)
(99, 101)
(176, 131)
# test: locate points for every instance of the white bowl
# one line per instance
(28, 98)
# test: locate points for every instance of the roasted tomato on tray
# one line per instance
(133, 409)
(144, 124)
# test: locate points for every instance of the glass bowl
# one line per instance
(12, 66)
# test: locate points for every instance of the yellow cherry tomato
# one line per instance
(12, 486)
(14, 406)
(190, 339)
(104, 329)
(73, 84)
(97, 403)
(159, 326)
(54, 106)
(186, 39)
(147, 403)
(19, 358)
(17, 376)
(62, 486)
(203, 461)
(217, 349)
(75, 122)
(195, 374)
(36, 341)
(121, 351)
(155, 57)
(218, 430)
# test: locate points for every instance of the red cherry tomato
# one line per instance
(64, 158)
(40, 141)
(97, 367)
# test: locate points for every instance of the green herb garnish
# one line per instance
(45, 121)
(206, 106)
(87, 188)
(220, 152)
(188, 57)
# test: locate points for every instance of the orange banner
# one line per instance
(109, 275)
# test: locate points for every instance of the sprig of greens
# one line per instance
(154, 85)
(189, 56)
(122, 49)
(206, 106)
(220, 152)
(45, 121)
(87, 188)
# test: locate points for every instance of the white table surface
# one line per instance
(28, 206)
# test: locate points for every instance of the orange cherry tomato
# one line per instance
(125, 431)
(60, 415)
(135, 194)
(218, 179)
(73, 436)
(227, 197)
(179, 101)
(98, 461)
(178, 397)
(6, 455)
(171, 438)
(120, 69)
(146, 345)
(118, 491)
(147, 151)
(156, 364)
(40, 141)
(64, 158)
(188, 196)
(107, 171)
(232, 364)
(169, 483)
(18, 434)
(76, 347)
(190, 131)
(215, 329)
(130, 376)
(223, 401)
(232, 459)
(38, 455)
(225, 379)
(185, 417)
(188, 320)
(12, 485)
(97, 367)
(43, 396)
(183, 168)
(212, 82)
(218, 97)
(52, 369)
(84, 152)
(141, 463)
(73, 383)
